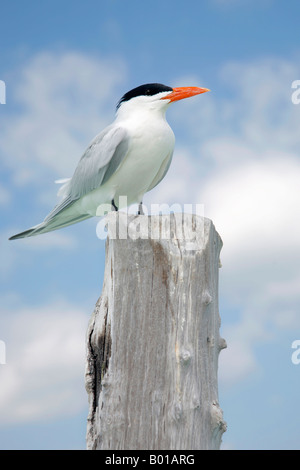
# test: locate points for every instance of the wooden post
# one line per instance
(153, 340)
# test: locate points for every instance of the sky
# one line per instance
(65, 64)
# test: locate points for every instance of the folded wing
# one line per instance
(101, 159)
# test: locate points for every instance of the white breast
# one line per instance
(151, 147)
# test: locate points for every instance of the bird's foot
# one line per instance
(114, 205)
(141, 211)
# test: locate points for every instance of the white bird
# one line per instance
(128, 158)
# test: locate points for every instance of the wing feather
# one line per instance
(96, 166)
(99, 162)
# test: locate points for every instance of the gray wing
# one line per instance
(99, 162)
(101, 159)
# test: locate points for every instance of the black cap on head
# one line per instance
(149, 89)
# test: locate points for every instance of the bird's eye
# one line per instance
(148, 92)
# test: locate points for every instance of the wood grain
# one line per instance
(153, 340)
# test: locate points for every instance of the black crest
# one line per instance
(149, 89)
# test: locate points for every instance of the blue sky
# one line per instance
(65, 65)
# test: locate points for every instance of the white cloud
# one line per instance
(13, 253)
(64, 100)
(238, 153)
(44, 373)
(255, 206)
(237, 361)
(262, 111)
(241, 160)
(51, 240)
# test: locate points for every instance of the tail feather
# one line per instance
(49, 225)
(26, 233)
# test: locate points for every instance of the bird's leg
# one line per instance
(140, 211)
(114, 205)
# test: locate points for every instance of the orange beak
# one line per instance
(184, 92)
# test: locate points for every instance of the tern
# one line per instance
(128, 158)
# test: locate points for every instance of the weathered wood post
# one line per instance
(153, 340)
